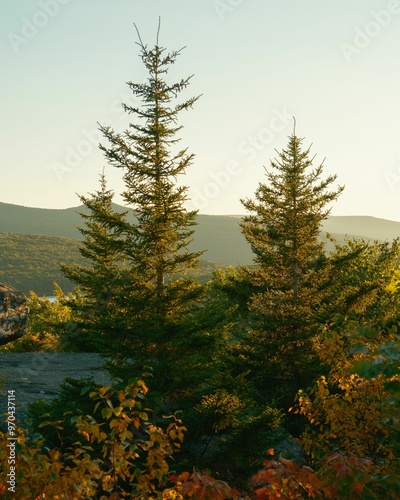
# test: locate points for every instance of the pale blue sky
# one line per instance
(333, 64)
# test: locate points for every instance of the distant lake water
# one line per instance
(52, 298)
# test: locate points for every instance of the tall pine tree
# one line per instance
(156, 242)
(283, 230)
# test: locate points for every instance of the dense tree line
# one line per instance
(252, 358)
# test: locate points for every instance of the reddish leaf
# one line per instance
(184, 476)
(358, 487)
(261, 493)
(265, 476)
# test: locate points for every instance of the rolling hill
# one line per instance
(34, 242)
(218, 234)
(365, 227)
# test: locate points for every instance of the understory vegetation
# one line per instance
(276, 380)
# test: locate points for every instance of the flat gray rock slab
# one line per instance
(34, 376)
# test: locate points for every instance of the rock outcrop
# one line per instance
(38, 375)
(13, 314)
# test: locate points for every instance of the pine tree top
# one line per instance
(288, 209)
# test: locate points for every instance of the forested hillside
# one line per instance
(33, 262)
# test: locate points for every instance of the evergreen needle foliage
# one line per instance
(137, 289)
(283, 229)
(98, 316)
(152, 164)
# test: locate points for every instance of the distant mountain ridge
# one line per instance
(367, 227)
(45, 221)
(64, 222)
(219, 235)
